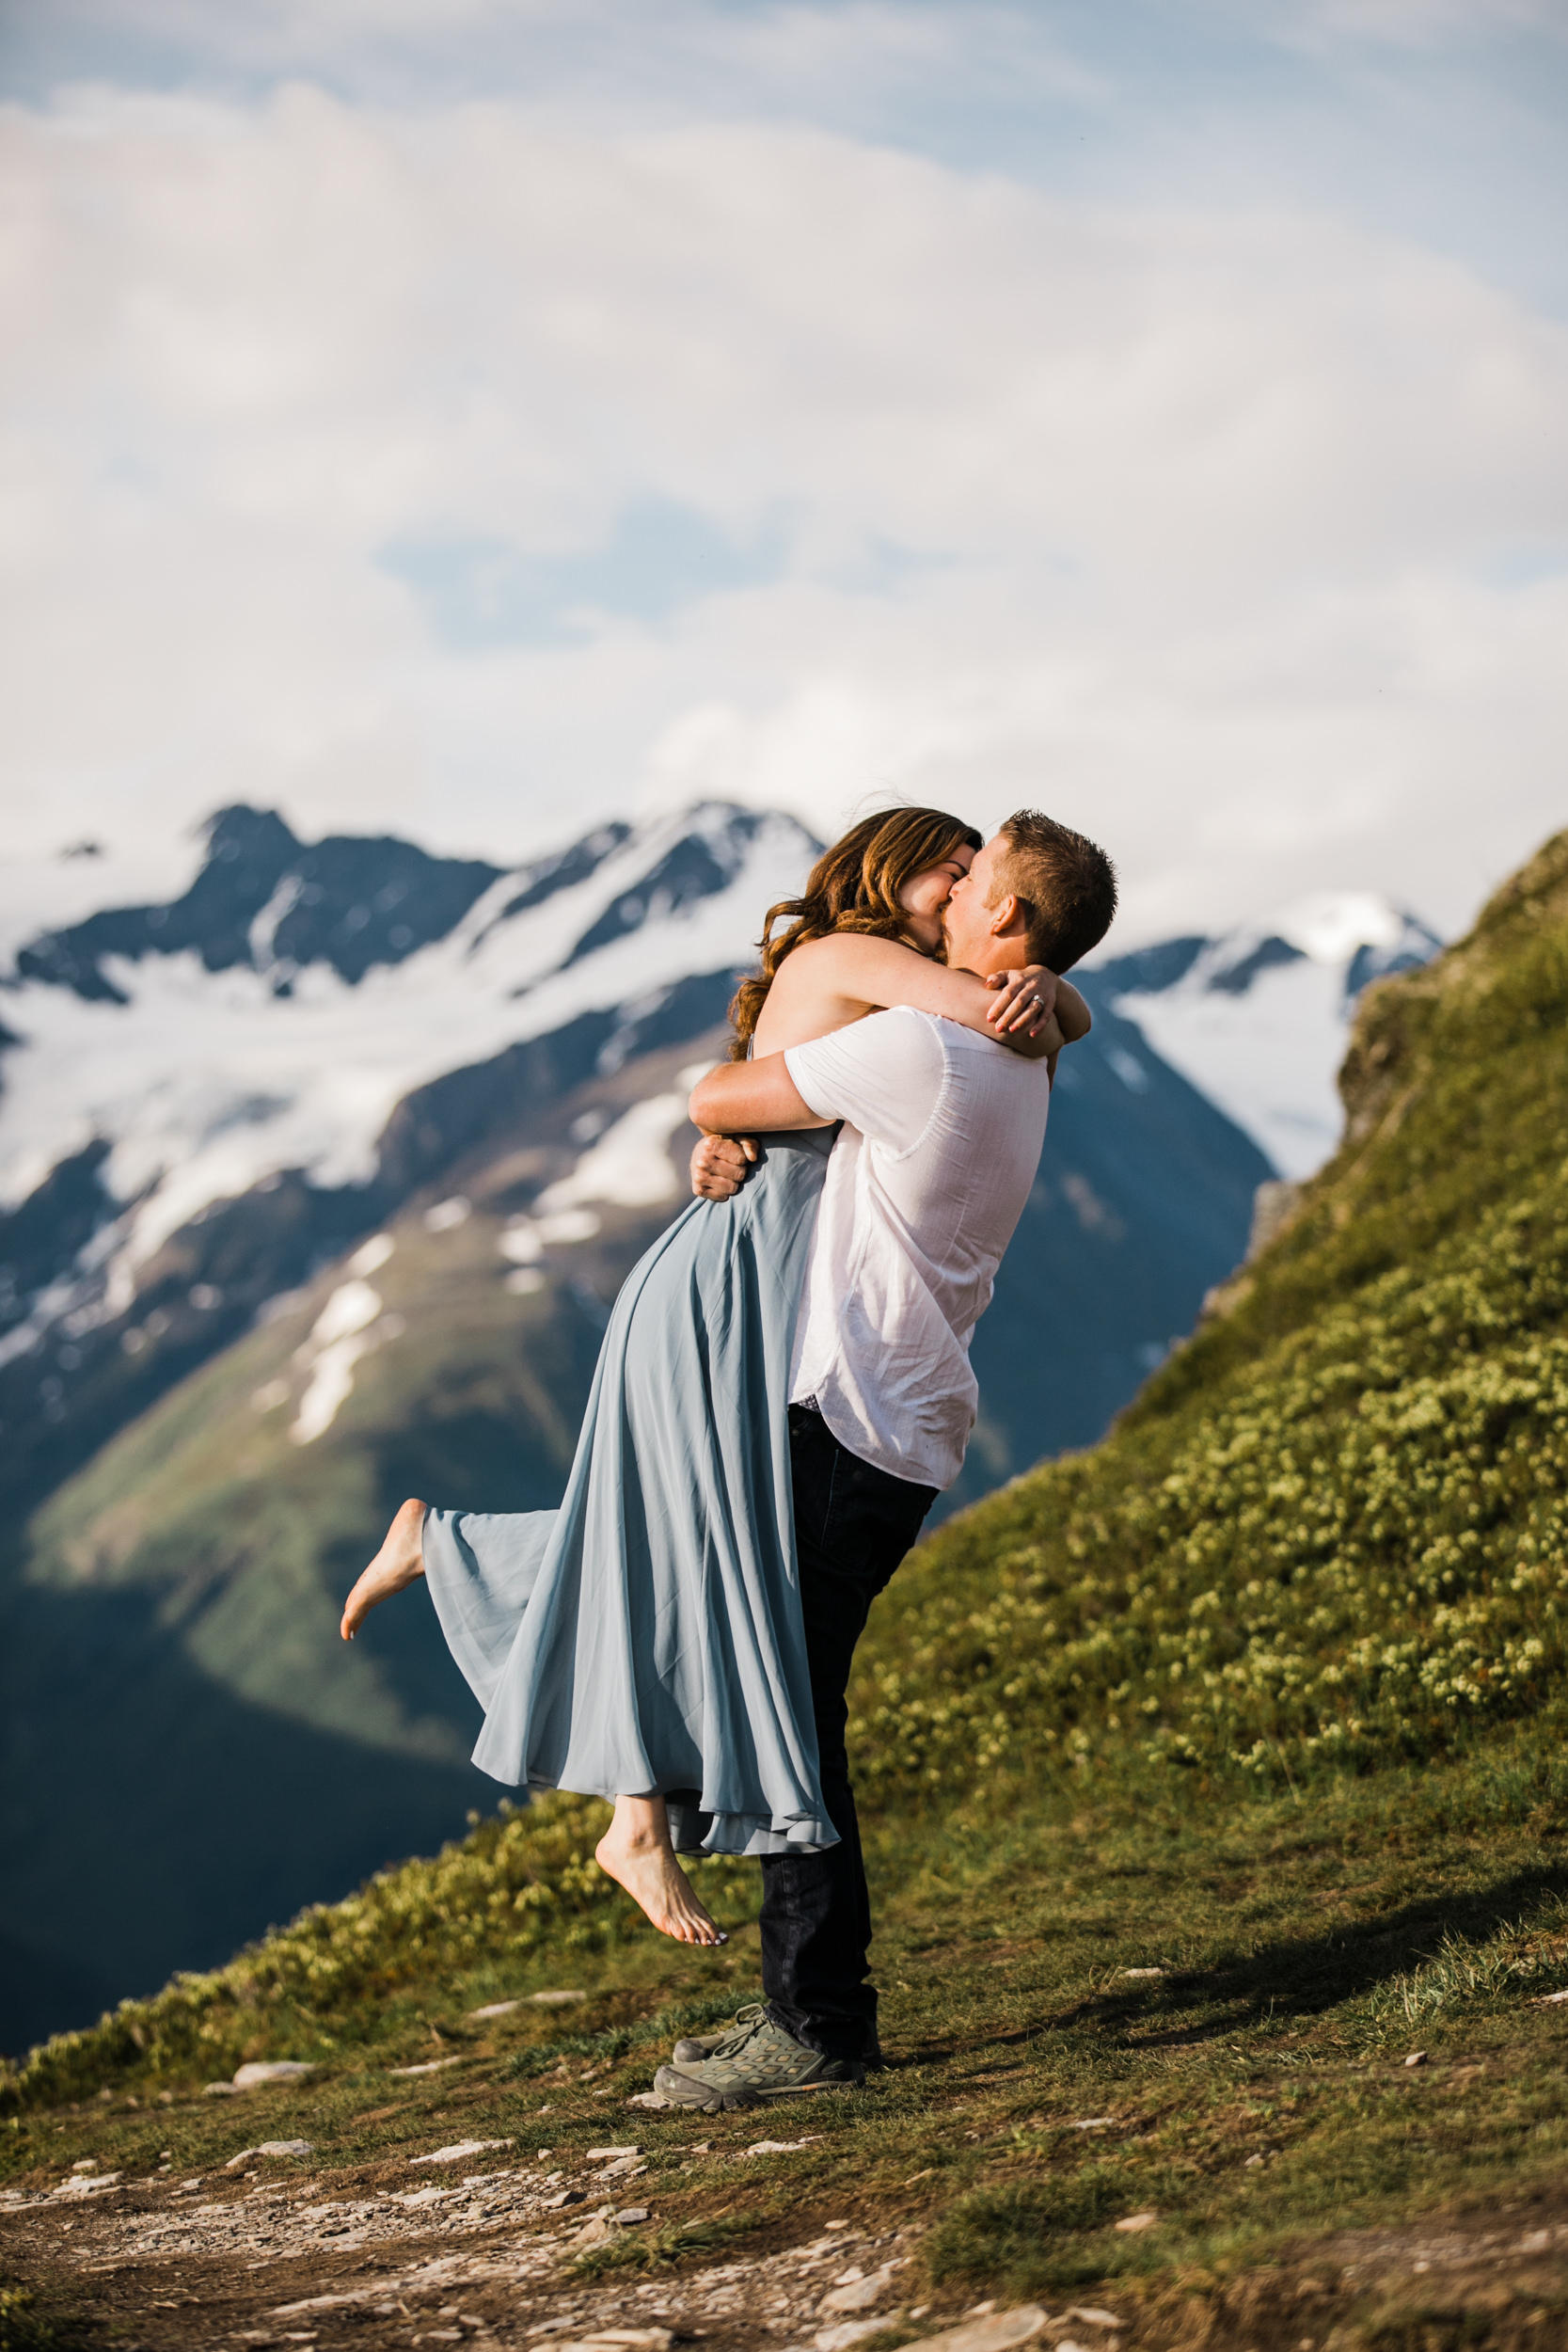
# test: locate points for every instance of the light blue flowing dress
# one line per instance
(647, 1638)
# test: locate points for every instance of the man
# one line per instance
(941, 1135)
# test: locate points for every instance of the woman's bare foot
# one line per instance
(635, 1852)
(400, 1560)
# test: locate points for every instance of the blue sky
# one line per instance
(460, 415)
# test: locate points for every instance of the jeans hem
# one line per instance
(812, 2037)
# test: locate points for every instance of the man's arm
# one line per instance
(750, 1098)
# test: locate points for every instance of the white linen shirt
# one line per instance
(941, 1137)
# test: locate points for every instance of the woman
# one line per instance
(645, 1642)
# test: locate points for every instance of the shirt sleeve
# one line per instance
(883, 1074)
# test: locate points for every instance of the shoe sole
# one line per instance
(686, 2092)
(692, 2049)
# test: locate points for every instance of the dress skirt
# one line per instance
(647, 1638)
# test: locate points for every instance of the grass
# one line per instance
(1209, 1777)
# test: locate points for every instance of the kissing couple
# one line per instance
(783, 1390)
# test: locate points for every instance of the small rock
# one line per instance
(85, 2164)
(848, 2332)
(639, 2339)
(271, 2070)
(555, 2000)
(630, 2218)
(1549, 2001)
(857, 2293)
(283, 2147)
(1417, 2057)
(1095, 2317)
(220, 2091)
(563, 2197)
(236, 2163)
(430, 2066)
(459, 2149)
(496, 2009)
(649, 2099)
(1143, 1972)
(779, 2147)
(1535, 2242)
(1092, 2124)
(1252, 2163)
(1131, 2223)
(608, 2155)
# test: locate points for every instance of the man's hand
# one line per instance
(718, 1166)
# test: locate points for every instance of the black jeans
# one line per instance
(853, 1524)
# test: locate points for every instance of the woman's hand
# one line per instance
(1025, 1001)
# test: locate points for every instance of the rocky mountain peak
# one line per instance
(265, 899)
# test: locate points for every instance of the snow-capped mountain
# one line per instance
(1258, 1019)
(203, 1096)
(272, 1017)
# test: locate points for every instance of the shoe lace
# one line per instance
(748, 2021)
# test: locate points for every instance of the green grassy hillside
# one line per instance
(1263, 1698)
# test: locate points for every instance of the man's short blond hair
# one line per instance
(1066, 886)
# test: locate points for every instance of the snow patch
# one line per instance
(1268, 1058)
(350, 1327)
(1260, 1021)
(1330, 924)
(630, 1164)
(447, 1215)
(351, 1307)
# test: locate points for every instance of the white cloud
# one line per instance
(1198, 527)
(1416, 24)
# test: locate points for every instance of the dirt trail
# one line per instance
(394, 2255)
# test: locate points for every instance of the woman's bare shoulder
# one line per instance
(814, 956)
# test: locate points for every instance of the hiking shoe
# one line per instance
(693, 2047)
(752, 2062)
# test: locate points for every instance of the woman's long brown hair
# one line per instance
(853, 886)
